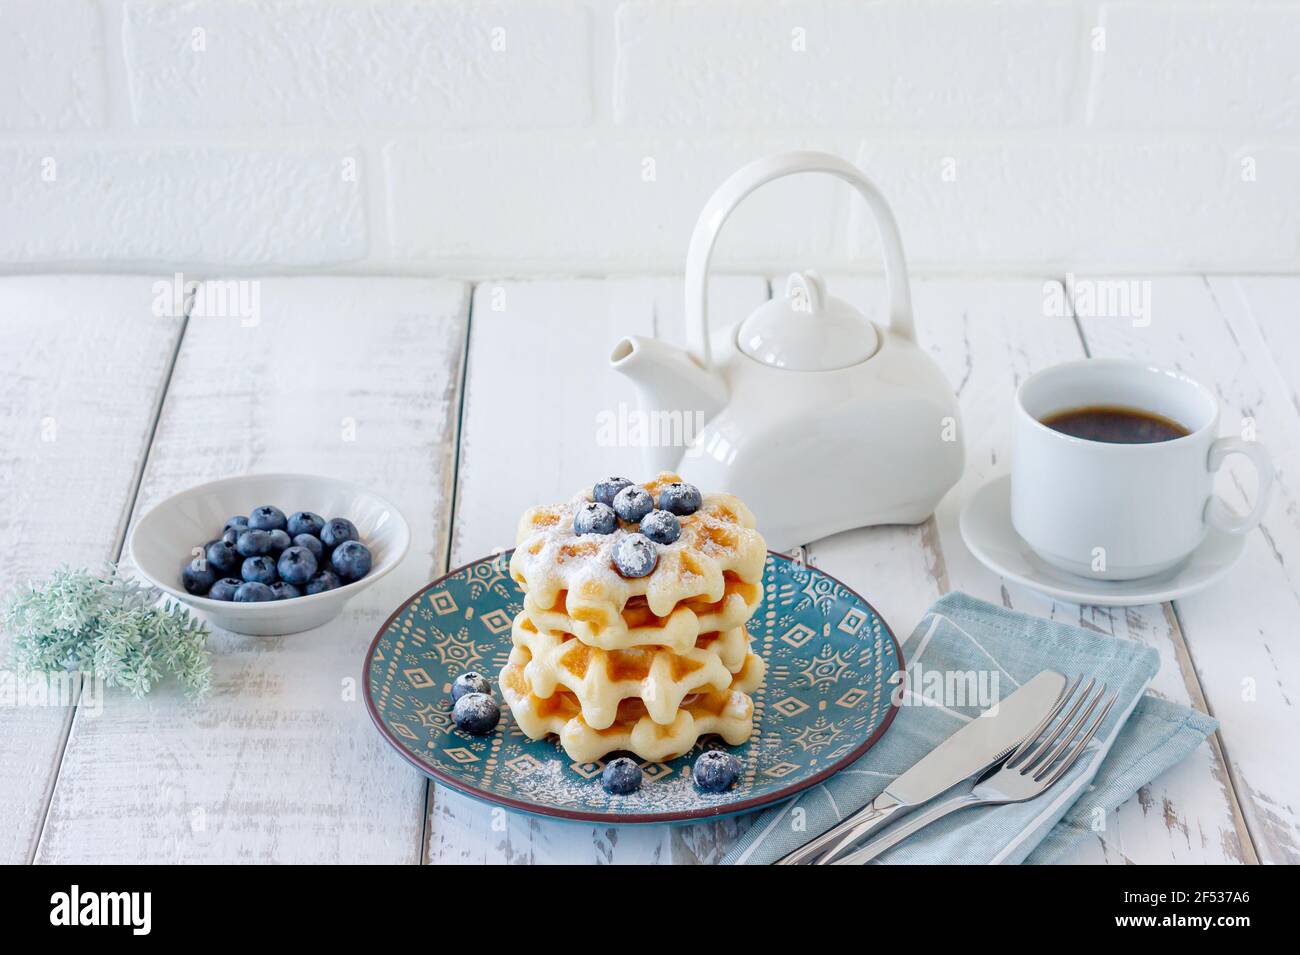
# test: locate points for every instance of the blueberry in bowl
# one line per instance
(198, 577)
(297, 565)
(305, 522)
(351, 560)
(312, 543)
(259, 570)
(338, 531)
(251, 591)
(203, 525)
(223, 557)
(224, 589)
(267, 518)
(283, 590)
(254, 543)
(323, 581)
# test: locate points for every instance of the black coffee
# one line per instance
(1112, 424)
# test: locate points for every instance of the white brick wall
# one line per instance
(843, 64)
(1154, 71)
(634, 209)
(314, 63)
(1127, 205)
(51, 64)
(533, 136)
(241, 206)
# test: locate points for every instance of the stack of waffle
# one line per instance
(646, 665)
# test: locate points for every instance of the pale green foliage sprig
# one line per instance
(110, 626)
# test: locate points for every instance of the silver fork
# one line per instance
(1035, 765)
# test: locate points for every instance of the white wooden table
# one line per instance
(464, 404)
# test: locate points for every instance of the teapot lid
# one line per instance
(808, 330)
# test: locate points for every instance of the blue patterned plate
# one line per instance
(826, 700)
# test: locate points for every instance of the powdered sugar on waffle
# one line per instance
(718, 538)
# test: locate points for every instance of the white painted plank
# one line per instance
(1273, 302)
(1241, 632)
(987, 336)
(280, 763)
(83, 365)
(537, 378)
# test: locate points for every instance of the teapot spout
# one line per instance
(676, 395)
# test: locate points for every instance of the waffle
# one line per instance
(601, 679)
(718, 548)
(728, 713)
(637, 626)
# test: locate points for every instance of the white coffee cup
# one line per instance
(1122, 511)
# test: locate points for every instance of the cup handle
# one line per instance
(1217, 512)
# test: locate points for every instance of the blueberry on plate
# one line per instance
(680, 498)
(605, 491)
(223, 558)
(305, 522)
(312, 543)
(633, 503)
(224, 589)
(476, 714)
(259, 570)
(267, 518)
(716, 771)
(252, 592)
(279, 541)
(254, 543)
(282, 590)
(338, 531)
(351, 561)
(241, 522)
(231, 534)
(470, 682)
(662, 527)
(621, 776)
(297, 566)
(635, 556)
(323, 581)
(198, 577)
(595, 518)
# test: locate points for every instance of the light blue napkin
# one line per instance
(994, 650)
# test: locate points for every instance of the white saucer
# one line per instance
(986, 528)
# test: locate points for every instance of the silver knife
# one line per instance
(972, 749)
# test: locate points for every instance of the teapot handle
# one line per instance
(739, 185)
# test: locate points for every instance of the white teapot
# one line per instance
(815, 417)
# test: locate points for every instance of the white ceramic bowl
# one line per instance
(163, 539)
